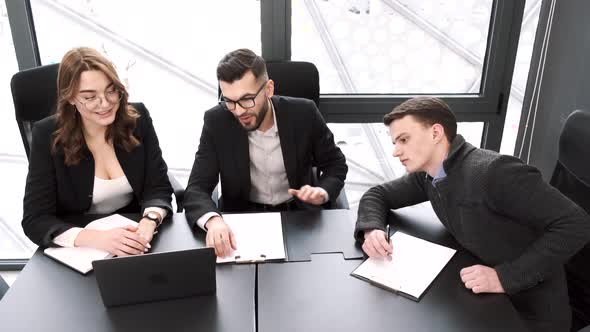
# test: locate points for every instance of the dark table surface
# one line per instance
(322, 296)
(313, 291)
(48, 296)
(305, 232)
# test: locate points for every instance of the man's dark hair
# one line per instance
(235, 64)
(428, 111)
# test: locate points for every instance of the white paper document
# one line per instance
(81, 258)
(259, 237)
(414, 265)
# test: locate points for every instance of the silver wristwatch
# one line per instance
(154, 217)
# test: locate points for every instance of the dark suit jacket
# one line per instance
(54, 190)
(502, 211)
(223, 152)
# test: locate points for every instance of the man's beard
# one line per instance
(259, 117)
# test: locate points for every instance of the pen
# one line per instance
(388, 236)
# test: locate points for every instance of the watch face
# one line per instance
(153, 216)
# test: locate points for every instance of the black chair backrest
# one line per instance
(34, 92)
(572, 178)
(301, 79)
(295, 79)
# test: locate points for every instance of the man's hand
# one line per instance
(220, 237)
(376, 245)
(481, 279)
(309, 194)
(124, 241)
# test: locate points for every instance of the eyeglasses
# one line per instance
(248, 102)
(112, 96)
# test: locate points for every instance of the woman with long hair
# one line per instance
(97, 154)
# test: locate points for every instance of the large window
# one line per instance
(371, 55)
(391, 50)
(521, 71)
(167, 56)
(13, 162)
(166, 52)
(401, 47)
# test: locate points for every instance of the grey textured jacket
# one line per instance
(500, 210)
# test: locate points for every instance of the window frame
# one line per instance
(487, 105)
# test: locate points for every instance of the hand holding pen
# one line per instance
(377, 243)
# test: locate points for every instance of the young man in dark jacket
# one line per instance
(495, 206)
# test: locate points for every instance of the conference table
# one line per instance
(312, 290)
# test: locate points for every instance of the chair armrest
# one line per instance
(178, 192)
(341, 202)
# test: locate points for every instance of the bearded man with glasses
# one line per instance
(262, 147)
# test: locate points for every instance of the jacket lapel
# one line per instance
(132, 164)
(288, 137)
(82, 177)
(241, 156)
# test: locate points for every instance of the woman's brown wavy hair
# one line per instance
(68, 134)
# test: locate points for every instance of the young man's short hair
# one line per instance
(235, 64)
(428, 111)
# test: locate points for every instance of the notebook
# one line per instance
(259, 237)
(80, 258)
(414, 265)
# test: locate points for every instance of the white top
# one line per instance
(267, 167)
(108, 196)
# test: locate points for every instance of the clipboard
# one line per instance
(414, 265)
(373, 280)
(259, 236)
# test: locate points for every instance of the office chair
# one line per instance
(301, 79)
(572, 177)
(295, 79)
(34, 93)
(3, 287)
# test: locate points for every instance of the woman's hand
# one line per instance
(146, 229)
(124, 241)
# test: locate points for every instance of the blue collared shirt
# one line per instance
(441, 174)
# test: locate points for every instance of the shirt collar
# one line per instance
(441, 174)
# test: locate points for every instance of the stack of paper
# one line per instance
(259, 237)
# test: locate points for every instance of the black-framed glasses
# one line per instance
(247, 102)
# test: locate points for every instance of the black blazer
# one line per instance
(54, 190)
(223, 153)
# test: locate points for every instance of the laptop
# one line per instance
(156, 276)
